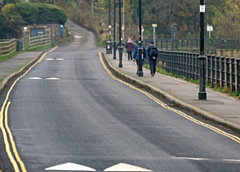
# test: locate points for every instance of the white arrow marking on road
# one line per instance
(49, 59)
(126, 167)
(34, 78)
(52, 78)
(59, 59)
(70, 167)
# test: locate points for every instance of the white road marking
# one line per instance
(231, 160)
(206, 159)
(70, 167)
(49, 59)
(52, 78)
(126, 167)
(36, 78)
(59, 59)
(77, 36)
(190, 158)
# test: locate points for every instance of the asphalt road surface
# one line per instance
(68, 114)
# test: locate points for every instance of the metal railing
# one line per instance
(193, 44)
(220, 71)
(7, 47)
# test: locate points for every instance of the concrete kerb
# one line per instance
(8, 78)
(170, 98)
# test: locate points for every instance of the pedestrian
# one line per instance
(136, 56)
(130, 47)
(152, 52)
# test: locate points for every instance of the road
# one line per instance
(68, 114)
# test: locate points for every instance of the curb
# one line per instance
(8, 78)
(170, 98)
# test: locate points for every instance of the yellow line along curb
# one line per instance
(215, 129)
(5, 128)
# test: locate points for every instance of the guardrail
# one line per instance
(220, 71)
(7, 46)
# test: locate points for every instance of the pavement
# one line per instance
(14, 66)
(220, 108)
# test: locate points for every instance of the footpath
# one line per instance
(15, 65)
(219, 107)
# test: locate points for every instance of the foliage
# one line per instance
(13, 1)
(12, 18)
(40, 13)
(28, 11)
(223, 15)
(13, 15)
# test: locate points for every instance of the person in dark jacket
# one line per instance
(152, 58)
(135, 55)
(129, 46)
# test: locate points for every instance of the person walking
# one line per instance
(129, 46)
(135, 55)
(152, 53)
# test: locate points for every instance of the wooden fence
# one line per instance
(7, 47)
(38, 41)
(12, 45)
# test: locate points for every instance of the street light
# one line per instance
(120, 47)
(140, 48)
(114, 34)
(109, 18)
(109, 41)
(202, 95)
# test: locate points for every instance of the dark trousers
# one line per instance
(129, 55)
(152, 64)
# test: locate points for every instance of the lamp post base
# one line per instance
(140, 73)
(202, 96)
(120, 49)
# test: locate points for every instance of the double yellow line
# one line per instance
(215, 129)
(9, 142)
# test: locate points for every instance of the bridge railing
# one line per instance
(220, 71)
(193, 44)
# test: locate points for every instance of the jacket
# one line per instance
(135, 53)
(129, 46)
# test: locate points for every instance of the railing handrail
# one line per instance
(220, 71)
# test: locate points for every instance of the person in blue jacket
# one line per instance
(135, 55)
(152, 57)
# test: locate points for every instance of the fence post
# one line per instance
(223, 69)
(227, 72)
(213, 73)
(208, 69)
(238, 74)
(218, 70)
(232, 74)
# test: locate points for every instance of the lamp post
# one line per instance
(114, 34)
(120, 47)
(202, 95)
(140, 48)
(109, 18)
(109, 42)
